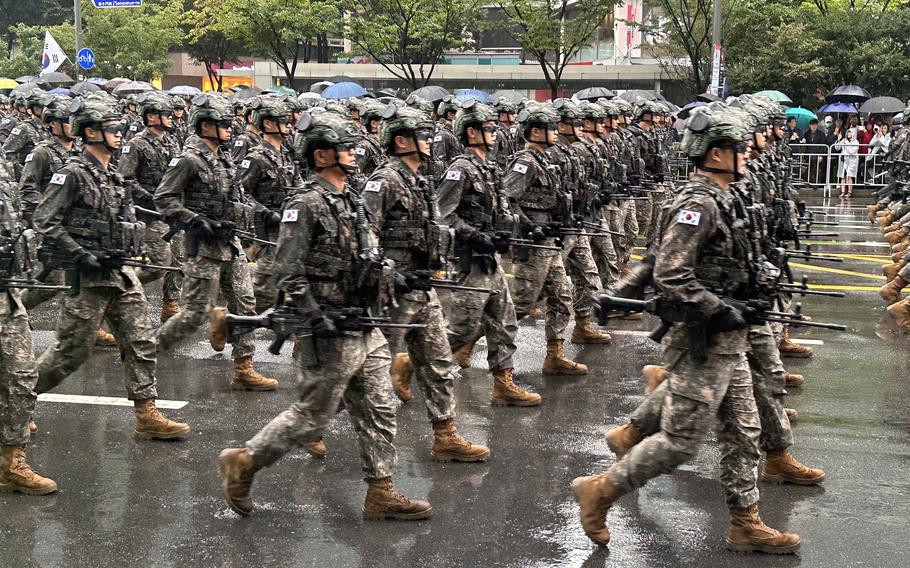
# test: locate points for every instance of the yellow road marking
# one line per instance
(812, 268)
(842, 287)
(867, 257)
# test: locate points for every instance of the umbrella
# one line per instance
(898, 118)
(320, 86)
(84, 88)
(60, 91)
(511, 96)
(244, 94)
(25, 78)
(835, 108)
(636, 96)
(431, 93)
(882, 105)
(802, 116)
(27, 87)
(848, 94)
(8, 84)
(685, 111)
(341, 79)
(133, 88)
(185, 90)
(671, 108)
(304, 96)
(344, 90)
(775, 96)
(97, 80)
(114, 83)
(594, 93)
(465, 94)
(387, 92)
(281, 90)
(238, 88)
(57, 79)
(708, 98)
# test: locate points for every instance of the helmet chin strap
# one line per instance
(734, 172)
(63, 133)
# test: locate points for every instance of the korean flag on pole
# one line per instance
(52, 57)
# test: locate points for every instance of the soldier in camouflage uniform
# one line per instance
(370, 154)
(505, 146)
(198, 191)
(18, 374)
(472, 202)
(85, 215)
(28, 133)
(180, 130)
(532, 184)
(702, 229)
(238, 125)
(654, 169)
(249, 138)
(446, 146)
(18, 113)
(5, 107)
(616, 135)
(131, 121)
(404, 210)
(324, 241)
(268, 176)
(142, 164)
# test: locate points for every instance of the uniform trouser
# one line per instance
(581, 268)
(768, 387)
(163, 253)
(542, 272)
(355, 368)
(204, 278)
(80, 318)
(694, 395)
(34, 298)
(657, 203)
(263, 287)
(627, 223)
(18, 377)
(604, 252)
(643, 212)
(494, 314)
(428, 349)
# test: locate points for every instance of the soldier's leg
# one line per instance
(646, 417)
(157, 249)
(499, 324)
(558, 298)
(35, 298)
(606, 260)
(582, 269)
(528, 277)
(739, 428)
(464, 310)
(630, 228)
(237, 288)
(770, 386)
(431, 357)
(201, 286)
(172, 286)
(265, 291)
(18, 377)
(126, 315)
(643, 210)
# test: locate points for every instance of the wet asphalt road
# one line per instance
(128, 503)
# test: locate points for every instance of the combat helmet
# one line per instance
(320, 127)
(209, 107)
(56, 107)
(268, 107)
(446, 105)
(471, 112)
(91, 111)
(712, 124)
(536, 115)
(154, 102)
(396, 118)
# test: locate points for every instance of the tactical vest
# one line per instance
(157, 153)
(213, 192)
(479, 200)
(404, 226)
(333, 252)
(57, 156)
(276, 179)
(542, 193)
(18, 245)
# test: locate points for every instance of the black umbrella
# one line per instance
(511, 96)
(687, 110)
(882, 105)
(84, 88)
(244, 94)
(27, 87)
(708, 98)
(594, 93)
(848, 94)
(57, 79)
(636, 96)
(431, 93)
(387, 93)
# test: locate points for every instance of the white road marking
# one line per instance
(106, 400)
(628, 332)
(808, 341)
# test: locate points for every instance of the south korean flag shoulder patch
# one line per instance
(453, 175)
(520, 168)
(173, 162)
(58, 179)
(245, 164)
(289, 216)
(687, 217)
(374, 185)
(360, 151)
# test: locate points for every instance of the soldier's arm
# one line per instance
(36, 166)
(59, 196)
(249, 175)
(448, 196)
(169, 195)
(298, 223)
(376, 193)
(239, 149)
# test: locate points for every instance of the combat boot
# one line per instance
(556, 363)
(246, 378)
(871, 211)
(16, 476)
(463, 354)
(316, 449)
(104, 339)
(901, 246)
(891, 227)
(653, 375)
(595, 494)
(624, 438)
(883, 218)
(169, 309)
(237, 472)
(890, 271)
(792, 414)
(898, 256)
(585, 334)
(218, 331)
(400, 372)
(384, 502)
(901, 312)
(507, 393)
(747, 533)
(894, 237)
(448, 445)
(794, 380)
(789, 349)
(152, 425)
(891, 292)
(535, 313)
(781, 467)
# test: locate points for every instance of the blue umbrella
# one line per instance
(60, 91)
(97, 80)
(835, 108)
(802, 116)
(344, 90)
(481, 96)
(183, 90)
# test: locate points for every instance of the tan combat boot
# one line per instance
(894, 237)
(901, 246)
(463, 354)
(653, 375)
(383, 502)
(316, 449)
(237, 472)
(789, 349)
(507, 393)
(890, 271)
(16, 476)
(747, 533)
(104, 339)
(535, 313)
(624, 438)
(891, 292)
(448, 445)
(883, 218)
(556, 363)
(400, 371)
(899, 256)
(781, 467)
(585, 334)
(169, 309)
(594, 495)
(891, 227)
(218, 331)
(871, 211)
(792, 414)
(794, 380)
(152, 425)
(901, 312)
(246, 378)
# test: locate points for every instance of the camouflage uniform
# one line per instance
(8, 123)
(201, 182)
(85, 207)
(594, 177)
(318, 247)
(243, 144)
(21, 141)
(370, 155)
(446, 146)
(628, 165)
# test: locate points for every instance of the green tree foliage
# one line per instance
(29, 41)
(206, 43)
(30, 13)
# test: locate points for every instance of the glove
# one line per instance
(537, 234)
(728, 319)
(400, 281)
(501, 242)
(272, 219)
(202, 227)
(659, 178)
(89, 261)
(553, 230)
(750, 313)
(321, 325)
(482, 243)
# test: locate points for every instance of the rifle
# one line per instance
(524, 243)
(110, 259)
(424, 280)
(217, 226)
(28, 284)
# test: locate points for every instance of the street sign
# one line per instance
(85, 58)
(117, 3)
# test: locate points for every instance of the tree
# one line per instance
(554, 31)
(409, 37)
(285, 31)
(29, 41)
(32, 13)
(207, 44)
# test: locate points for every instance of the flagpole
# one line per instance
(77, 17)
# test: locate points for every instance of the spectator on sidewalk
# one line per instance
(815, 144)
(849, 161)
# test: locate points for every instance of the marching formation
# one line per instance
(385, 239)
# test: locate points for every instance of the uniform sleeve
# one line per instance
(33, 173)
(294, 237)
(48, 219)
(249, 175)
(170, 193)
(239, 149)
(448, 195)
(376, 193)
